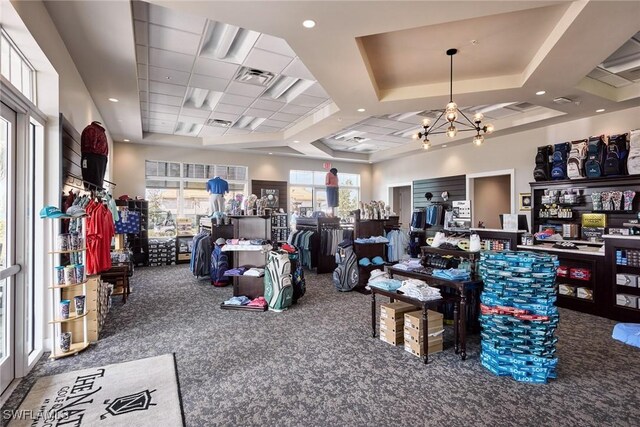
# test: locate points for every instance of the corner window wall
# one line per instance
(15, 68)
(308, 193)
(179, 190)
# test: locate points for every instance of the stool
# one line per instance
(118, 275)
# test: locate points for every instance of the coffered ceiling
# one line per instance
(247, 76)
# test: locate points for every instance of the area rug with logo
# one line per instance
(140, 393)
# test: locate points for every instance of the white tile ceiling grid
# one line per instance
(186, 76)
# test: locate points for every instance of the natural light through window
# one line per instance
(15, 68)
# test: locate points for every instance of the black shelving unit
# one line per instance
(280, 227)
(138, 243)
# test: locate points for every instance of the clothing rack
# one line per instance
(324, 263)
(75, 181)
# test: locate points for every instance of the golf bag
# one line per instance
(595, 156)
(345, 276)
(633, 162)
(278, 289)
(577, 156)
(559, 167)
(219, 266)
(541, 171)
(617, 152)
(297, 278)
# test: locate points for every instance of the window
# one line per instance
(179, 190)
(15, 67)
(308, 193)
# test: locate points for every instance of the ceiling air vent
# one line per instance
(219, 123)
(253, 76)
(562, 100)
(357, 139)
(522, 106)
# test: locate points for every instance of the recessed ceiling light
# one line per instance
(113, 100)
(541, 92)
(308, 23)
(168, 77)
(444, 145)
(474, 42)
(361, 110)
(270, 153)
(600, 110)
(126, 140)
(295, 141)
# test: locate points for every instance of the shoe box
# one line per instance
(627, 280)
(413, 334)
(627, 300)
(584, 293)
(567, 290)
(392, 321)
(394, 310)
(413, 319)
(415, 348)
(162, 252)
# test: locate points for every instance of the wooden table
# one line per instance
(462, 290)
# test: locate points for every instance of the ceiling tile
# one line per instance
(267, 61)
(296, 109)
(211, 83)
(142, 70)
(373, 129)
(211, 131)
(297, 69)
(144, 106)
(194, 112)
(236, 88)
(276, 123)
(192, 120)
(140, 10)
(160, 122)
(317, 90)
(142, 85)
(142, 54)
(265, 104)
(161, 129)
(176, 77)
(158, 98)
(212, 68)
(236, 131)
(160, 108)
(224, 116)
(307, 101)
(167, 89)
(275, 44)
(173, 40)
(288, 118)
(264, 128)
(163, 116)
(243, 101)
(171, 60)
(181, 21)
(256, 112)
(141, 32)
(231, 109)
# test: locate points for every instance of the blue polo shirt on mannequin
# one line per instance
(217, 185)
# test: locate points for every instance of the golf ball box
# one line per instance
(518, 315)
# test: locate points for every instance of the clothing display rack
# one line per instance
(250, 227)
(323, 263)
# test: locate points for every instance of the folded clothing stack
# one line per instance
(372, 239)
(254, 272)
(243, 300)
(380, 279)
(452, 274)
(411, 264)
(235, 271)
(419, 290)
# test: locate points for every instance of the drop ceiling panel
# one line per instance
(256, 112)
(163, 116)
(297, 69)
(160, 122)
(275, 44)
(181, 21)
(161, 129)
(142, 55)
(173, 40)
(317, 90)
(288, 118)
(211, 83)
(265, 104)
(264, 128)
(141, 31)
(307, 101)
(144, 106)
(236, 88)
(142, 85)
(296, 109)
(235, 131)
(374, 129)
(175, 77)
(171, 60)
(164, 108)
(276, 123)
(167, 89)
(267, 61)
(224, 116)
(243, 101)
(211, 68)
(140, 10)
(192, 120)
(194, 112)
(212, 131)
(231, 109)
(158, 98)
(142, 71)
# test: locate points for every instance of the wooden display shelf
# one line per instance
(561, 280)
(573, 297)
(68, 252)
(68, 286)
(73, 349)
(622, 289)
(71, 318)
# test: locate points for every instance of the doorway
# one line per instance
(402, 204)
(491, 194)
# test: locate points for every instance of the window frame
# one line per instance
(293, 173)
(24, 62)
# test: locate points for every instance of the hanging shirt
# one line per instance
(217, 185)
(94, 140)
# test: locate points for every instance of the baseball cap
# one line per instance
(377, 260)
(52, 212)
(364, 262)
(76, 211)
(220, 241)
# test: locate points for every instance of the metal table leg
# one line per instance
(456, 326)
(373, 314)
(425, 335)
(463, 325)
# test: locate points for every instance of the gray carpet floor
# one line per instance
(316, 364)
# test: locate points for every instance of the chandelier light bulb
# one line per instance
(451, 111)
(426, 144)
(415, 136)
(452, 131)
(478, 140)
(489, 129)
(477, 117)
(426, 122)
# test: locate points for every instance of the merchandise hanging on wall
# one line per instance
(95, 149)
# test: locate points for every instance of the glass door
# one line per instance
(8, 270)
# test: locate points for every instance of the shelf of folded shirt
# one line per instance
(244, 303)
(431, 280)
(250, 285)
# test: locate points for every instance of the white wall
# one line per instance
(515, 151)
(129, 164)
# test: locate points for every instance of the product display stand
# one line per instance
(250, 227)
(280, 227)
(324, 263)
(623, 255)
(56, 321)
(364, 228)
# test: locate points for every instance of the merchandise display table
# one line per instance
(462, 290)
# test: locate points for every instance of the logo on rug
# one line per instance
(140, 401)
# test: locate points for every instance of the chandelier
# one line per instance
(453, 116)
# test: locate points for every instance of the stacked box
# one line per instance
(519, 316)
(162, 252)
(413, 336)
(392, 321)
